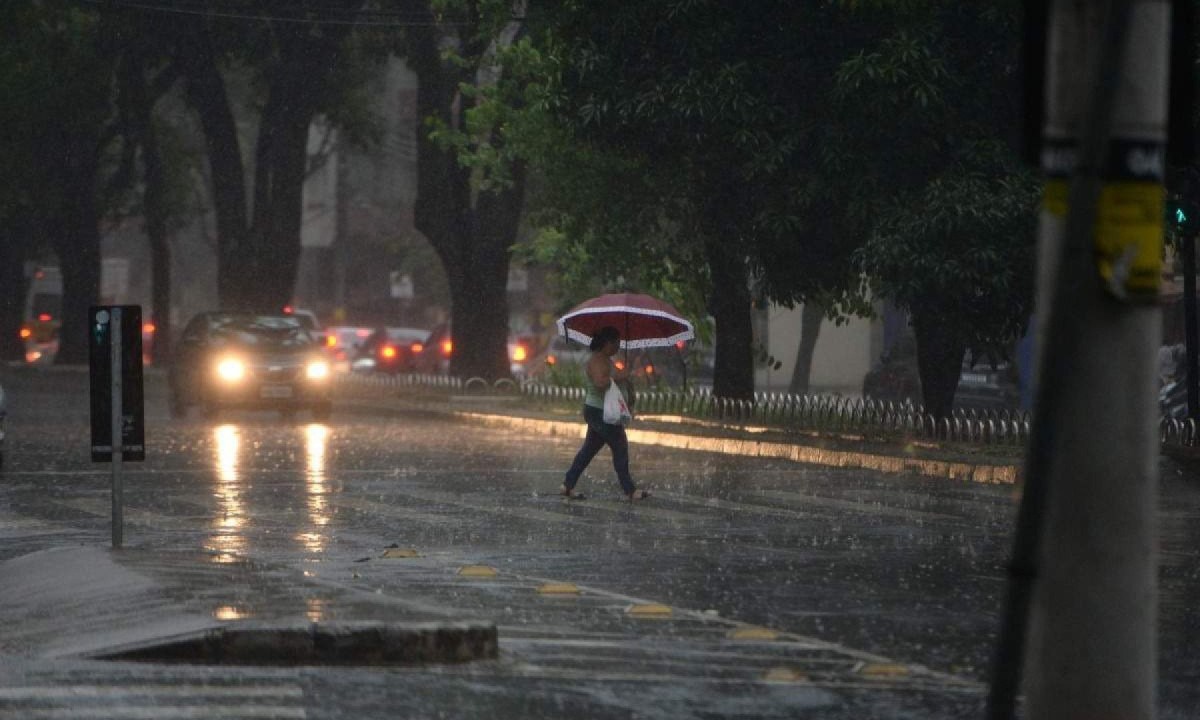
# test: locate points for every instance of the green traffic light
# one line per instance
(1180, 216)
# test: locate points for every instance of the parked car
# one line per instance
(390, 350)
(240, 360)
(983, 384)
(987, 385)
(895, 377)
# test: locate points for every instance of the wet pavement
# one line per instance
(745, 588)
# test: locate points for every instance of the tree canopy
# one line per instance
(701, 151)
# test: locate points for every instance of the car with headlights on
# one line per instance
(247, 361)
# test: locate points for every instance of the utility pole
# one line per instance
(1085, 536)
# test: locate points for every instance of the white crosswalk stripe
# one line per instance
(154, 691)
(159, 712)
(152, 702)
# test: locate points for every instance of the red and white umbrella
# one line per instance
(642, 320)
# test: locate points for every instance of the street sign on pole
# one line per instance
(118, 415)
(401, 285)
(128, 378)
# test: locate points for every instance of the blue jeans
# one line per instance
(599, 434)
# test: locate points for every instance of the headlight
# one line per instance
(318, 370)
(231, 369)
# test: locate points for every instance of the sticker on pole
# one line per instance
(1128, 231)
(1129, 238)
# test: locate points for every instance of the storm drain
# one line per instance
(322, 644)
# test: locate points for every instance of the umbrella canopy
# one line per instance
(642, 320)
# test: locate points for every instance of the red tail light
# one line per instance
(44, 317)
(620, 365)
(331, 341)
(26, 333)
(388, 352)
(649, 369)
(447, 347)
(417, 348)
(550, 359)
(148, 328)
(520, 354)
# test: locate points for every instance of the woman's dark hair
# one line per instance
(607, 334)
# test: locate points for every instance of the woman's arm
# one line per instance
(599, 372)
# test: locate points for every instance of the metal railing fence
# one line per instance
(779, 411)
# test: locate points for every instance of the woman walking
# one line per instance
(600, 374)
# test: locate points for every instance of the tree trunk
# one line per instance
(13, 287)
(481, 300)
(154, 208)
(471, 232)
(257, 260)
(279, 196)
(811, 318)
(197, 62)
(939, 363)
(77, 244)
(730, 304)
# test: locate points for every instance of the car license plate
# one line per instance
(980, 378)
(276, 391)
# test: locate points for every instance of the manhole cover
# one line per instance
(322, 644)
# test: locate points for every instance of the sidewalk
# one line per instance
(954, 461)
(146, 603)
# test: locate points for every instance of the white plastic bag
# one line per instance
(616, 410)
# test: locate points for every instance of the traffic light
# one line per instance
(1183, 215)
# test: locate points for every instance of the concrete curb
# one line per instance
(322, 644)
(988, 473)
(810, 455)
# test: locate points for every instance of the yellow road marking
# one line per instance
(477, 571)
(400, 553)
(559, 589)
(649, 610)
(883, 670)
(753, 633)
(785, 675)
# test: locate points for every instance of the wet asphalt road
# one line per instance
(883, 591)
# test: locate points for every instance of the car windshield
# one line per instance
(261, 332)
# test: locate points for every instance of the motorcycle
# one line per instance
(1173, 400)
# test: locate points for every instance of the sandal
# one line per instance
(572, 495)
(638, 495)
